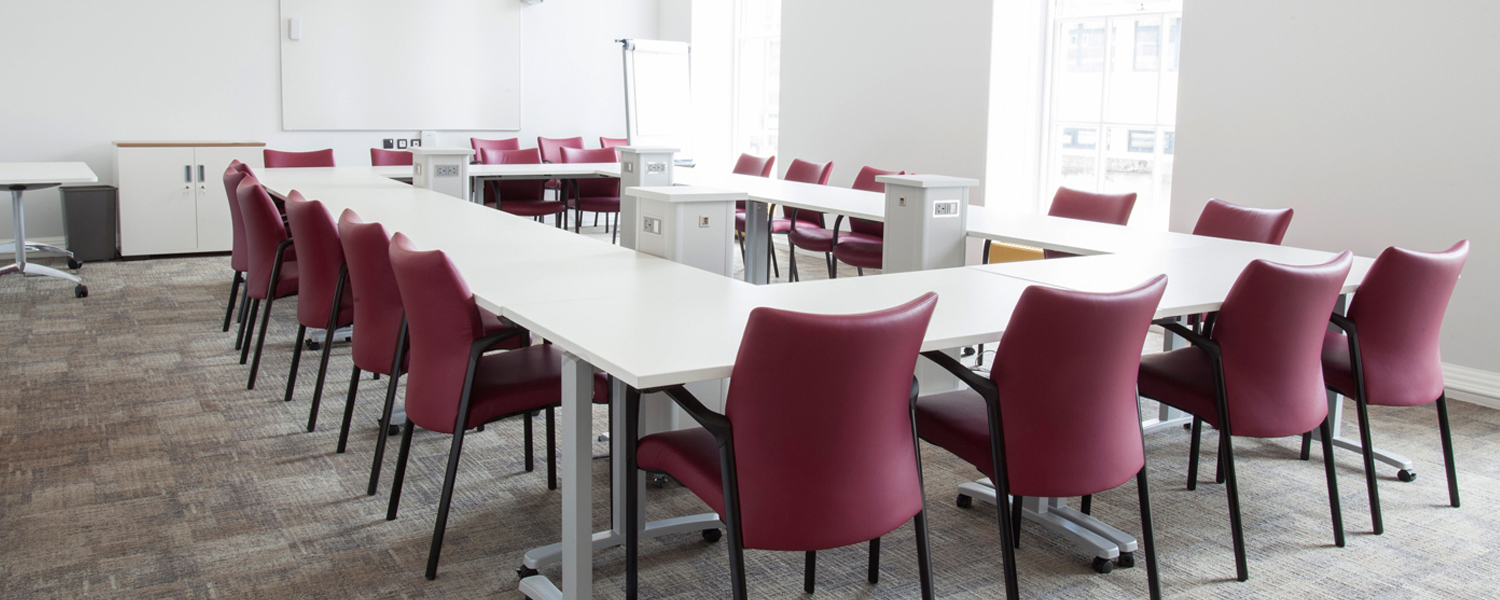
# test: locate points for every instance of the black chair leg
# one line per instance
(260, 341)
(291, 376)
(441, 526)
(401, 454)
(526, 441)
(234, 291)
(1219, 469)
(247, 330)
(1193, 449)
(924, 556)
(833, 272)
(986, 259)
(771, 252)
(333, 316)
(239, 340)
(872, 575)
(349, 413)
(398, 358)
(551, 448)
(1307, 446)
(1015, 520)
(791, 260)
(809, 571)
(1326, 431)
(1447, 433)
(1367, 449)
(614, 233)
(1236, 524)
(1148, 537)
(1087, 505)
(859, 271)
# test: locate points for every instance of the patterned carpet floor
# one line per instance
(137, 465)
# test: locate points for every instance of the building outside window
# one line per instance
(1111, 106)
(757, 64)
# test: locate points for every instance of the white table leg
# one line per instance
(577, 489)
(19, 245)
(757, 242)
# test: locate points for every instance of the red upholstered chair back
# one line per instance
(605, 142)
(1088, 206)
(377, 302)
(380, 157)
(1069, 406)
(1221, 219)
(820, 409)
(595, 187)
(276, 159)
(239, 259)
(1270, 329)
(806, 172)
(319, 256)
(750, 164)
(480, 145)
(263, 233)
(1398, 314)
(442, 324)
(865, 181)
(552, 148)
(516, 190)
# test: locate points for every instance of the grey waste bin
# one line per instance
(89, 221)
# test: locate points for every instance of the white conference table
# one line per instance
(20, 177)
(650, 322)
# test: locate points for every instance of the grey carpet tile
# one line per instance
(135, 464)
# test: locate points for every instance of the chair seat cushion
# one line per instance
(691, 456)
(1338, 375)
(860, 250)
(1338, 372)
(1183, 379)
(958, 422)
(285, 286)
(506, 383)
(605, 204)
(532, 208)
(812, 238)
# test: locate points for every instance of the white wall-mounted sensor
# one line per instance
(294, 29)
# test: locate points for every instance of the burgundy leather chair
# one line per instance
(1060, 417)
(781, 483)
(380, 157)
(273, 274)
(452, 385)
(325, 301)
(1387, 350)
(607, 142)
(864, 245)
(238, 259)
(1221, 219)
(276, 159)
(1084, 206)
(379, 341)
(524, 197)
(480, 145)
(598, 194)
(551, 149)
(749, 164)
(1259, 374)
(804, 172)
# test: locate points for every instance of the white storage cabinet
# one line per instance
(172, 198)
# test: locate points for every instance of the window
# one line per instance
(1111, 107)
(757, 63)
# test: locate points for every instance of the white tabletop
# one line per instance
(547, 170)
(810, 196)
(1072, 235)
(1197, 280)
(45, 173)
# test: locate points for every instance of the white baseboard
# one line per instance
(1472, 385)
(57, 240)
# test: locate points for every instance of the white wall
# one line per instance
(1016, 80)
(80, 74)
(1375, 119)
(892, 84)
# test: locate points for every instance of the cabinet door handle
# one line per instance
(187, 173)
(200, 174)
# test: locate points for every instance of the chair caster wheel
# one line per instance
(1187, 426)
(74, 263)
(1406, 475)
(312, 345)
(1103, 565)
(1126, 560)
(393, 431)
(524, 571)
(81, 291)
(660, 482)
(965, 501)
(712, 535)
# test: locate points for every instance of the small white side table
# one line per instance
(20, 177)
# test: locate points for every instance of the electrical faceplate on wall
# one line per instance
(945, 208)
(445, 171)
(651, 225)
(656, 167)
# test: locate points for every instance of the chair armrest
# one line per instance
(715, 423)
(483, 344)
(1342, 322)
(1192, 337)
(984, 386)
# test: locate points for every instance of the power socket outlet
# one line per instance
(945, 208)
(651, 225)
(445, 171)
(415, 143)
(656, 167)
(389, 143)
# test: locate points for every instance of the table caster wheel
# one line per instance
(712, 535)
(313, 346)
(1406, 475)
(659, 482)
(1126, 560)
(524, 571)
(74, 263)
(1103, 565)
(81, 291)
(965, 501)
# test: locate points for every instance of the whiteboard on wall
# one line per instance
(658, 93)
(398, 64)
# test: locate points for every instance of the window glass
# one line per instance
(757, 76)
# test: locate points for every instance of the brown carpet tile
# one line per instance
(137, 465)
